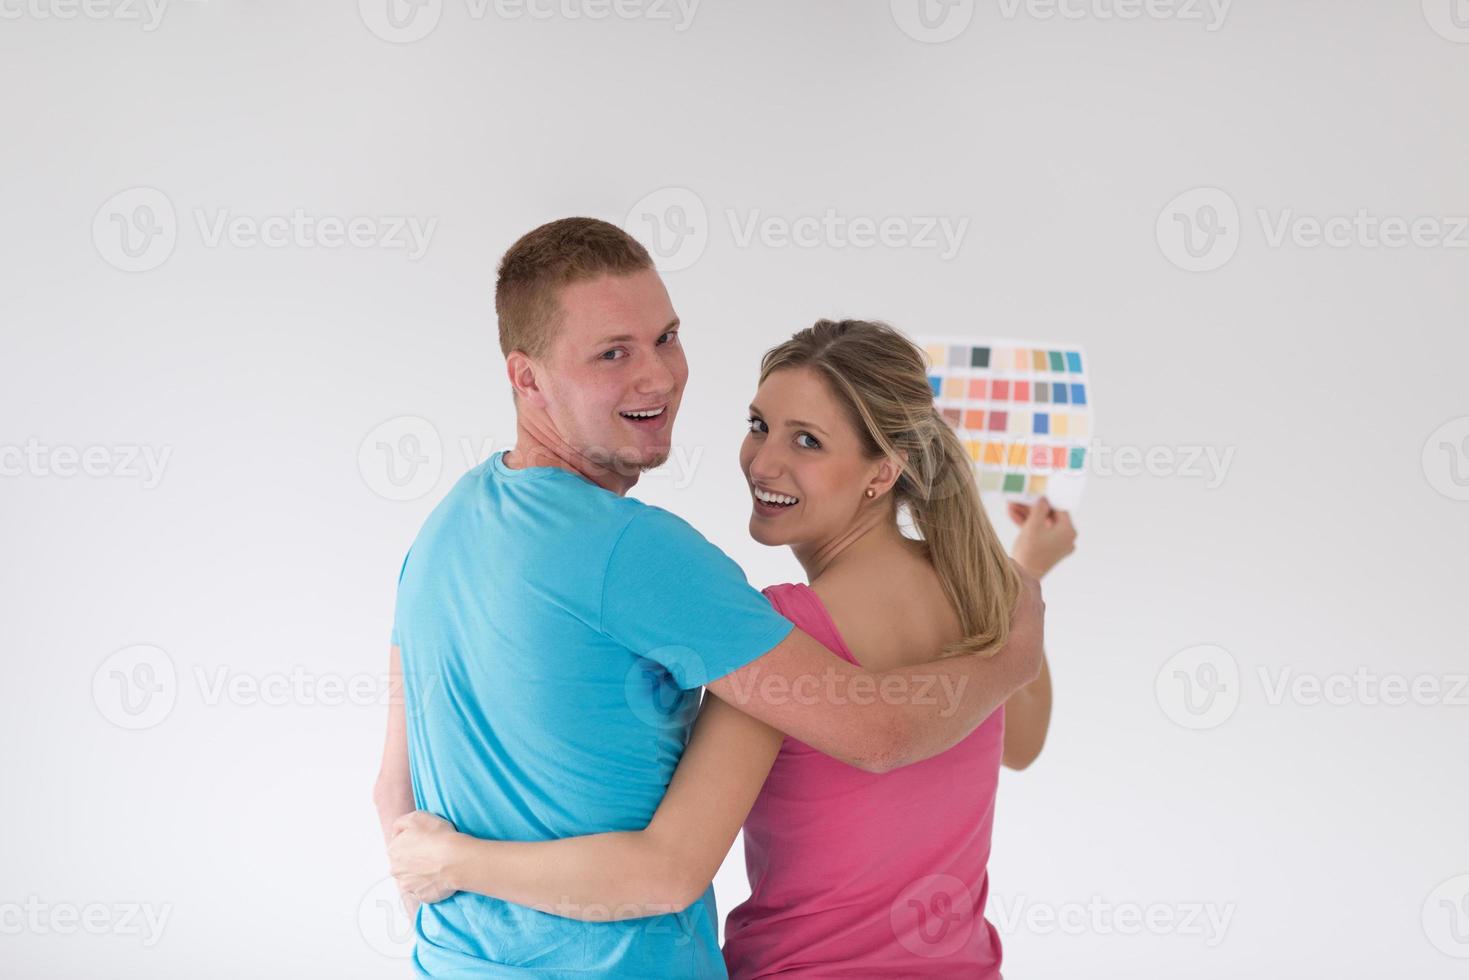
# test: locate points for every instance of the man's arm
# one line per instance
(879, 721)
(392, 794)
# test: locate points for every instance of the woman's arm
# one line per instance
(620, 875)
(1027, 719)
(1046, 537)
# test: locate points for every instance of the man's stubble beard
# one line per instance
(653, 463)
(624, 466)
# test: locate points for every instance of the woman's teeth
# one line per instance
(779, 499)
(652, 413)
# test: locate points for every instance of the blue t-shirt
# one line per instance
(554, 637)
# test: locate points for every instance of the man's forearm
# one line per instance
(968, 689)
(392, 795)
(880, 721)
(974, 686)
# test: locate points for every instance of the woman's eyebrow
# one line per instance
(792, 423)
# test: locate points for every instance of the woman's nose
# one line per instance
(765, 464)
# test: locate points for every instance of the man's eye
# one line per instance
(672, 335)
(617, 350)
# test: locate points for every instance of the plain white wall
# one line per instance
(263, 548)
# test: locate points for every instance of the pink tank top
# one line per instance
(854, 874)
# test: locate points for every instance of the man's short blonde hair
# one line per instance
(557, 254)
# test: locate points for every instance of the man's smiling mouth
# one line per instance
(646, 416)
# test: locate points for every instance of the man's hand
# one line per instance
(421, 853)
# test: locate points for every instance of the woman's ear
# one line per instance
(886, 474)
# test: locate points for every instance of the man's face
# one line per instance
(616, 352)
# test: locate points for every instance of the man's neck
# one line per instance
(531, 449)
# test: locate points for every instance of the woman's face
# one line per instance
(802, 447)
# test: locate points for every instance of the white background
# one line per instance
(1331, 834)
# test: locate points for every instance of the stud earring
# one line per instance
(871, 493)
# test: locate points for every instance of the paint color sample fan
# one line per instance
(1022, 410)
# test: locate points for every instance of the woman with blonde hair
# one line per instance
(852, 874)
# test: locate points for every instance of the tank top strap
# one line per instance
(800, 604)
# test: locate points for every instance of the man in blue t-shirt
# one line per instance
(552, 634)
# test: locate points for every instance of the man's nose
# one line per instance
(656, 376)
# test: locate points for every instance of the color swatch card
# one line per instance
(1023, 411)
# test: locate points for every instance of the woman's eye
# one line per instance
(755, 424)
(807, 435)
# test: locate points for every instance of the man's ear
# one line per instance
(522, 372)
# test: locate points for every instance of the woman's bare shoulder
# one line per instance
(887, 610)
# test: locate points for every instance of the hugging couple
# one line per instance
(555, 796)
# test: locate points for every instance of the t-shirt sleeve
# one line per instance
(671, 596)
(394, 637)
